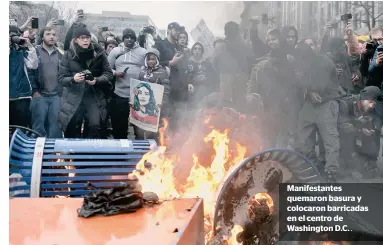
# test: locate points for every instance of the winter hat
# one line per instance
(200, 44)
(371, 93)
(174, 25)
(129, 32)
(81, 30)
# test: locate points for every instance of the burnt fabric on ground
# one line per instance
(125, 199)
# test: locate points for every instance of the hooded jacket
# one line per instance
(157, 75)
(203, 77)
(279, 89)
(122, 58)
(284, 34)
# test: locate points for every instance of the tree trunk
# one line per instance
(373, 21)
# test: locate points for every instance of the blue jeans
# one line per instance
(45, 116)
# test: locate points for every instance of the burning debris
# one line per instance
(205, 171)
(260, 208)
(198, 167)
(125, 199)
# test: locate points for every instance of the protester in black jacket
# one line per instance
(172, 57)
(202, 78)
(83, 96)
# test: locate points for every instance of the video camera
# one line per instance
(346, 17)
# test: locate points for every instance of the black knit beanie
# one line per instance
(371, 93)
(129, 32)
(80, 31)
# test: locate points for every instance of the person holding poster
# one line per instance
(146, 96)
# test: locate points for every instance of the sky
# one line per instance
(187, 13)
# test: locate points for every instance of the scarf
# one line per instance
(84, 53)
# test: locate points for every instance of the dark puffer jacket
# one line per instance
(73, 92)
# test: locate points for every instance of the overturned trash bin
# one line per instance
(64, 167)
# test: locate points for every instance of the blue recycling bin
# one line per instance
(42, 167)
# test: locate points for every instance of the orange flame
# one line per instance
(162, 131)
(69, 174)
(201, 182)
(234, 233)
(159, 179)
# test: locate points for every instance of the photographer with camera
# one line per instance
(22, 56)
(366, 55)
(85, 76)
(358, 119)
(376, 66)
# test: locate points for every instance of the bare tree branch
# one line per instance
(365, 8)
(378, 16)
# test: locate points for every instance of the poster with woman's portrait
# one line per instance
(146, 101)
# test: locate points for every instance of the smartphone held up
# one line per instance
(35, 23)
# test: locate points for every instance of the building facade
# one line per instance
(201, 33)
(118, 21)
(310, 17)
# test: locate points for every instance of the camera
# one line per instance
(88, 75)
(370, 48)
(346, 17)
(371, 45)
(16, 39)
(364, 122)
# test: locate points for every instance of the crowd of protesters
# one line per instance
(299, 94)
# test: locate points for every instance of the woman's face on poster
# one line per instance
(143, 96)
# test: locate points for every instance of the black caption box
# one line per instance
(331, 212)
